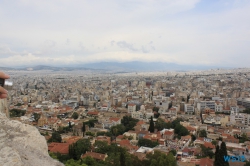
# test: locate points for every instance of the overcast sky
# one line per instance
(61, 32)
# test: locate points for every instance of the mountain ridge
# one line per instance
(117, 66)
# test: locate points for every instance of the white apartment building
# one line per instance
(218, 107)
(234, 109)
(189, 108)
(131, 108)
(203, 104)
(162, 104)
(247, 119)
(138, 115)
(237, 118)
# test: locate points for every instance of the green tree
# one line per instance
(180, 130)
(79, 148)
(160, 124)
(101, 147)
(73, 162)
(223, 152)
(147, 143)
(75, 115)
(129, 122)
(247, 163)
(17, 113)
(193, 137)
(70, 126)
(216, 155)
(89, 133)
(122, 159)
(243, 138)
(83, 129)
(36, 116)
(188, 97)
(56, 137)
(151, 125)
(117, 129)
(156, 115)
(214, 142)
(173, 152)
(219, 155)
(160, 159)
(53, 155)
(91, 122)
(170, 105)
(206, 152)
(153, 163)
(103, 133)
(176, 122)
(171, 161)
(155, 109)
(89, 161)
(61, 157)
(113, 153)
(203, 133)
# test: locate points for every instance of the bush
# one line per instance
(17, 113)
(75, 115)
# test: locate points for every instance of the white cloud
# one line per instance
(50, 32)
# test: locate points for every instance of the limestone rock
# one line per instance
(22, 145)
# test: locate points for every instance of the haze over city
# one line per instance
(184, 32)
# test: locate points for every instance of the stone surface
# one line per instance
(22, 144)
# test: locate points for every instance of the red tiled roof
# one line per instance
(168, 133)
(72, 139)
(62, 148)
(130, 147)
(190, 128)
(140, 122)
(119, 136)
(186, 137)
(124, 142)
(147, 136)
(209, 145)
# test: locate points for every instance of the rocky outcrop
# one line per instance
(22, 144)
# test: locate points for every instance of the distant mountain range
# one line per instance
(117, 67)
(143, 66)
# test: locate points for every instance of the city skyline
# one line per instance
(194, 32)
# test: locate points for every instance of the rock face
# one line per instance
(22, 144)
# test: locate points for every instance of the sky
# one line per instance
(66, 32)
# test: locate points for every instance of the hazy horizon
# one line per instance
(183, 32)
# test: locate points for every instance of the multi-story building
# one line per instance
(218, 107)
(189, 108)
(203, 104)
(131, 108)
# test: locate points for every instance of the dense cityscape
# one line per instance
(158, 118)
(124, 83)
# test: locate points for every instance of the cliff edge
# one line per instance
(22, 144)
